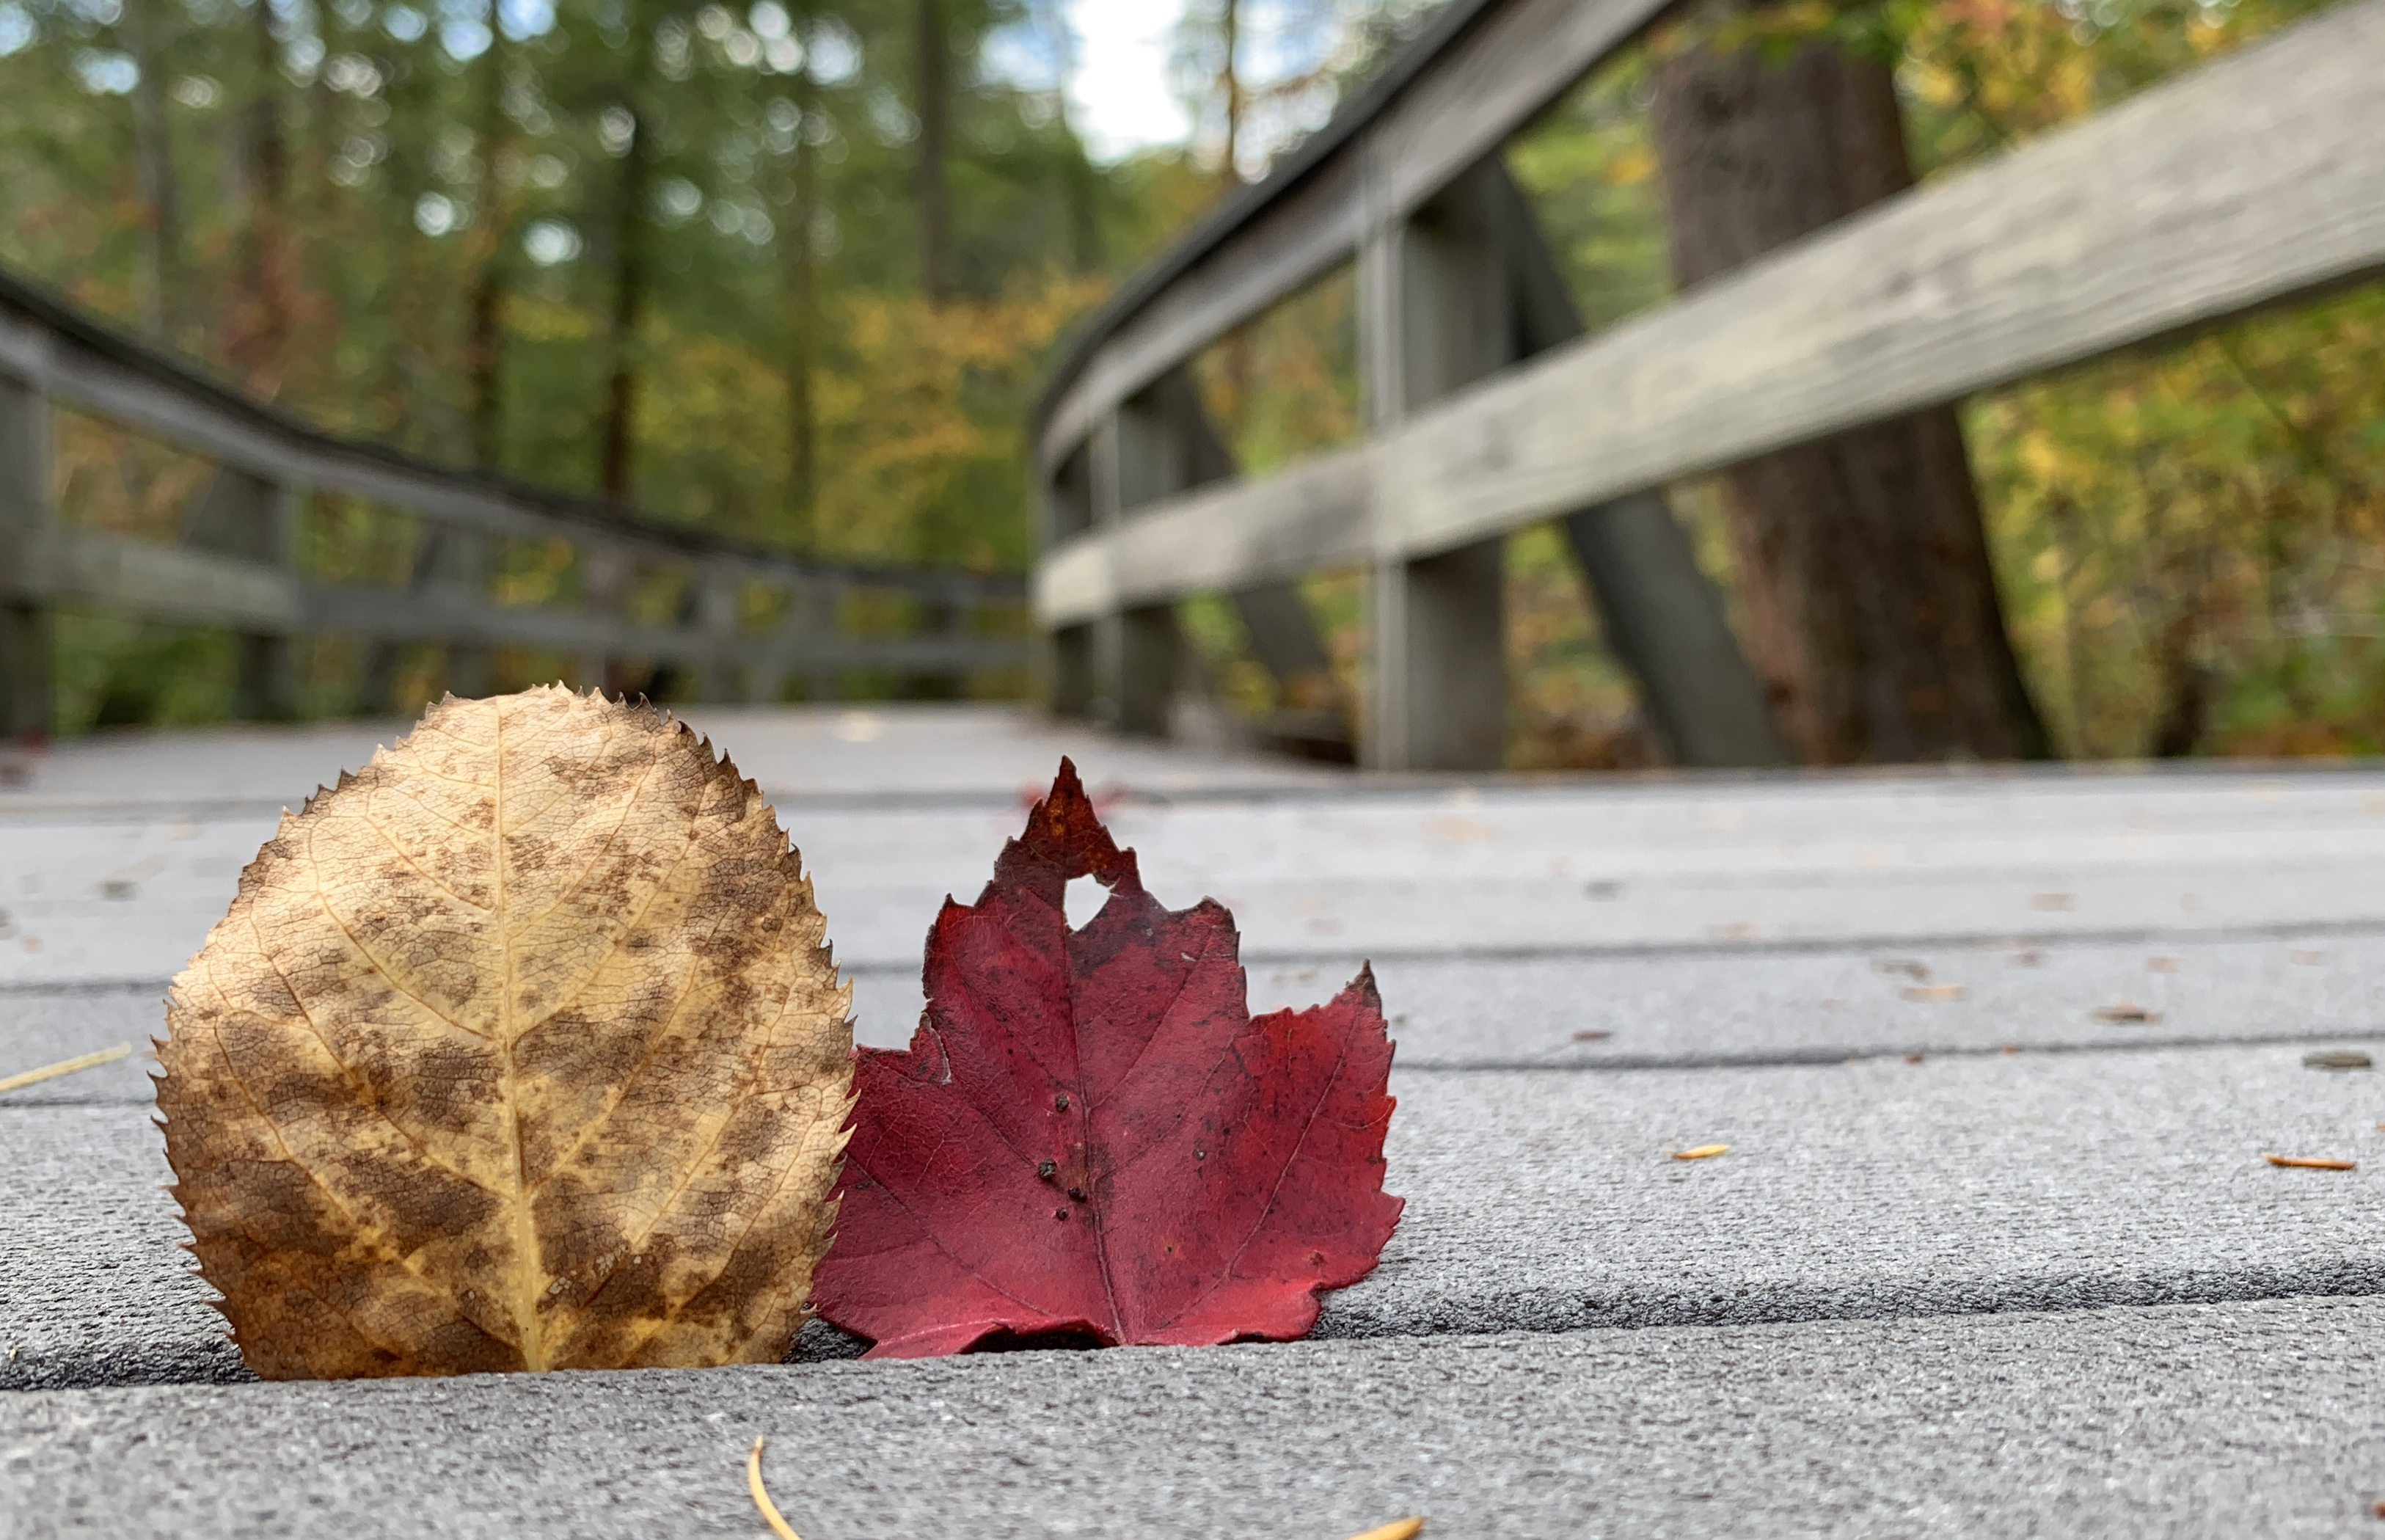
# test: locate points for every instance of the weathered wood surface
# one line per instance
(2047, 1231)
(1485, 70)
(2255, 181)
(179, 585)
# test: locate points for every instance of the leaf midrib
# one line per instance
(525, 1263)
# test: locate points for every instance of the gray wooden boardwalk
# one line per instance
(1995, 1249)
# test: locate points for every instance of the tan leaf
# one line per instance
(1398, 1529)
(1934, 992)
(517, 1049)
(1704, 1152)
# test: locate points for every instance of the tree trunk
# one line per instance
(935, 91)
(259, 337)
(1078, 187)
(161, 229)
(492, 233)
(629, 304)
(1229, 80)
(801, 276)
(1862, 559)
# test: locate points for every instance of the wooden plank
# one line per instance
(2256, 180)
(172, 584)
(81, 365)
(1479, 79)
(181, 586)
(1313, 515)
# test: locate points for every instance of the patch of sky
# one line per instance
(550, 242)
(106, 73)
(435, 214)
(836, 51)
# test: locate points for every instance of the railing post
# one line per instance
(1432, 315)
(1178, 449)
(719, 615)
(603, 575)
(245, 516)
(459, 564)
(823, 610)
(1135, 460)
(766, 672)
(1065, 508)
(25, 618)
(1661, 617)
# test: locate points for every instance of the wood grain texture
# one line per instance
(2256, 180)
(521, 1049)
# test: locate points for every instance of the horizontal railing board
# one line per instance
(84, 365)
(2259, 179)
(1480, 73)
(179, 585)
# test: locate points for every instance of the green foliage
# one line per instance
(2185, 539)
(347, 179)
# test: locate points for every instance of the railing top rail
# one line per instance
(1481, 69)
(1240, 206)
(89, 364)
(2255, 180)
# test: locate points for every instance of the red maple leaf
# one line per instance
(1091, 1137)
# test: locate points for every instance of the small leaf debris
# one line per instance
(66, 1067)
(1398, 1529)
(1929, 992)
(2310, 1163)
(1905, 968)
(771, 1514)
(2344, 1060)
(1704, 1152)
(2126, 1014)
(1591, 1036)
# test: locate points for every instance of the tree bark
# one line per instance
(629, 304)
(800, 273)
(1862, 558)
(161, 229)
(1229, 80)
(492, 233)
(259, 337)
(1077, 171)
(935, 92)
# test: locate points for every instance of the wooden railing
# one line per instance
(2258, 179)
(746, 617)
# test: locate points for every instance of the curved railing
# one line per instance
(236, 565)
(2254, 180)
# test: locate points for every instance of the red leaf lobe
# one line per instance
(1210, 1173)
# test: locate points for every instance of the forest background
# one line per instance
(790, 269)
